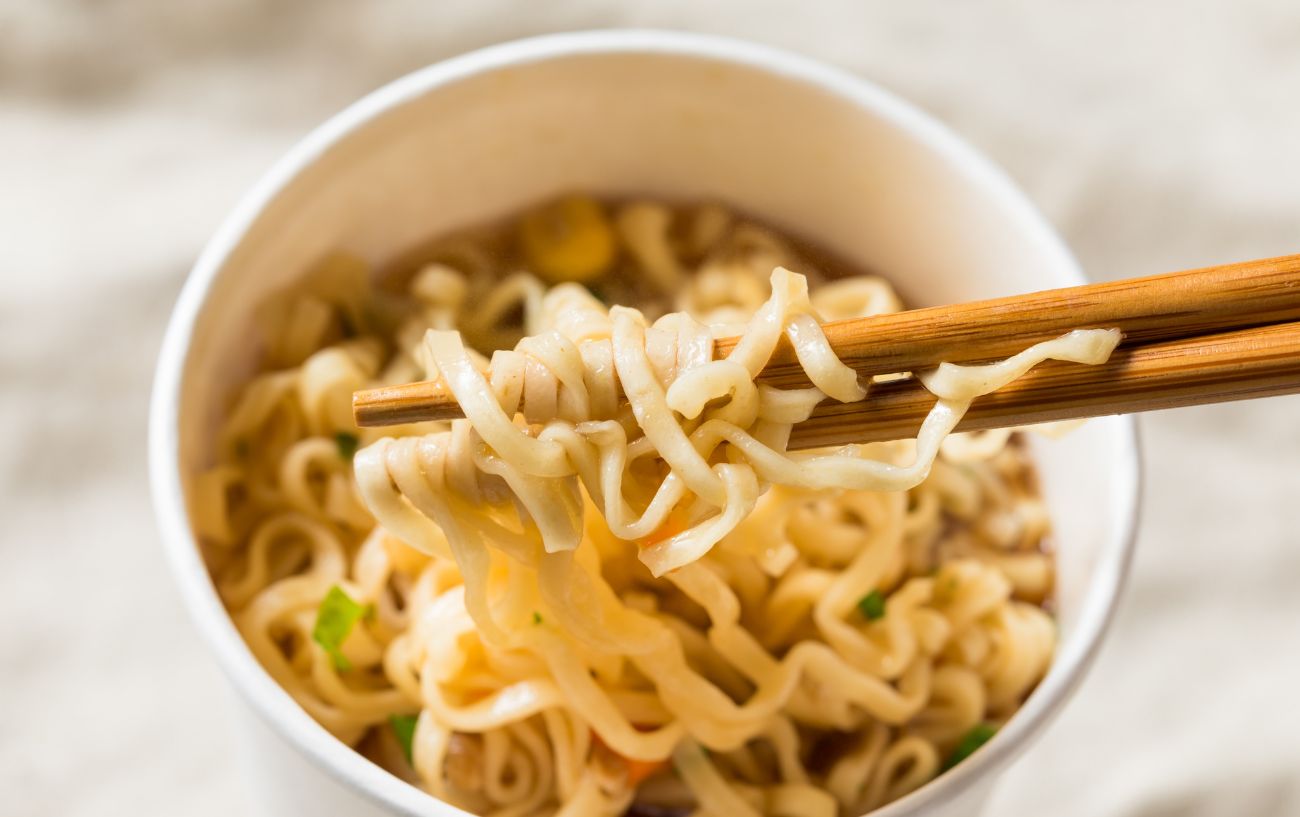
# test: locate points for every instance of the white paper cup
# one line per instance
(801, 145)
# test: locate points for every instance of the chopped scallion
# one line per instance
(537, 617)
(979, 735)
(872, 605)
(347, 444)
(335, 617)
(404, 729)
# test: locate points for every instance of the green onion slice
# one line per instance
(335, 617)
(404, 729)
(872, 605)
(347, 444)
(972, 740)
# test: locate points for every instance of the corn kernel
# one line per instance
(568, 240)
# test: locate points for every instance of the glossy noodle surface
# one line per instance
(611, 590)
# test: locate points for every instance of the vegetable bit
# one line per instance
(404, 729)
(872, 605)
(979, 735)
(568, 240)
(335, 618)
(635, 771)
(640, 770)
(347, 444)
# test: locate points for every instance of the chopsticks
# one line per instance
(1208, 335)
(1218, 368)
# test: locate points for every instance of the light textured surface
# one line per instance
(1157, 136)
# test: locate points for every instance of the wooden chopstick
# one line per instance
(1158, 307)
(1180, 306)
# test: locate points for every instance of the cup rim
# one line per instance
(277, 708)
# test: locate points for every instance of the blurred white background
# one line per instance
(1157, 136)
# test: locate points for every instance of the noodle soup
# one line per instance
(831, 651)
